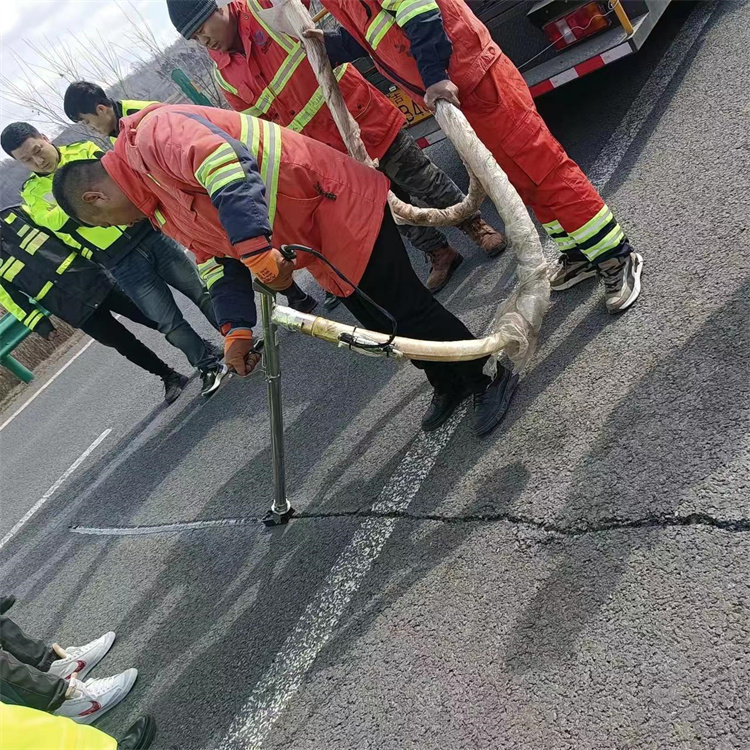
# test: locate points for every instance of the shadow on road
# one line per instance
(683, 421)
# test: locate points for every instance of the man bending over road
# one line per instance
(236, 188)
(88, 103)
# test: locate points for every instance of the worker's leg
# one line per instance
(390, 280)
(174, 266)
(502, 112)
(24, 685)
(444, 260)
(409, 167)
(24, 648)
(139, 278)
(119, 302)
(103, 327)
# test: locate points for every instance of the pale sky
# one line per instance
(51, 23)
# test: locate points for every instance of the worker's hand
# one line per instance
(238, 356)
(271, 268)
(441, 90)
(314, 34)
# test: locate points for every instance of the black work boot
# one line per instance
(441, 408)
(331, 301)
(299, 300)
(173, 385)
(140, 735)
(491, 404)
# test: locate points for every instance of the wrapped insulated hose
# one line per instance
(516, 324)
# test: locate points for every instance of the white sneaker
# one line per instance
(93, 698)
(82, 659)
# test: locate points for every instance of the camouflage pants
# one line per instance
(415, 179)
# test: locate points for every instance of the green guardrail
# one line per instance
(189, 89)
(12, 333)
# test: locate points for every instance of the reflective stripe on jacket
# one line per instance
(222, 183)
(378, 25)
(105, 245)
(274, 80)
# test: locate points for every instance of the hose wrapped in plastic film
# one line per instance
(516, 324)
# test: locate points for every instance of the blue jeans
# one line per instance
(145, 275)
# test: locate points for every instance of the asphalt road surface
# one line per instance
(577, 580)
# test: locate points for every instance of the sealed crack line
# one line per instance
(668, 520)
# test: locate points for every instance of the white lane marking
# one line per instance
(276, 688)
(51, 491)
(165, 528)
(45, 386)
(622, 139)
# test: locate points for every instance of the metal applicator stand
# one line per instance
(281, 510)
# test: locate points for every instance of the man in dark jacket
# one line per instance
(38, 269)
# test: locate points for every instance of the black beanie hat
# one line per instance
(188, 16)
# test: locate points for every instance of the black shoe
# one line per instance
(491, 404)
(305, 304)
(331, 301)
(441, 408)
(621, 278)
(299, 300)
(213, 349)
(212, 378)
(173, 385)
(6, 602)
(140, 735)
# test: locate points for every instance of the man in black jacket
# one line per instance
(37, 269)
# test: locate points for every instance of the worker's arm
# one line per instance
(199, 155)
(22, 308)
(230, 285)
(430, 46)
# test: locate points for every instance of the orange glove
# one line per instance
(237, 354)
(271, 268)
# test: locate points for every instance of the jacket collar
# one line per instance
(117, 107)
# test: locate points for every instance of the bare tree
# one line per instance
(166, 59)
(40, 85)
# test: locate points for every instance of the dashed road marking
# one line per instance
(51, 491)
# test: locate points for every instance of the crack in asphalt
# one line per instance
(656, 521)
(665, 520)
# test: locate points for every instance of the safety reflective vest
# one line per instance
(36, 266)
(378, 26)
(273, 80)
(125, 108)
(23, 728)
(105, 245)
